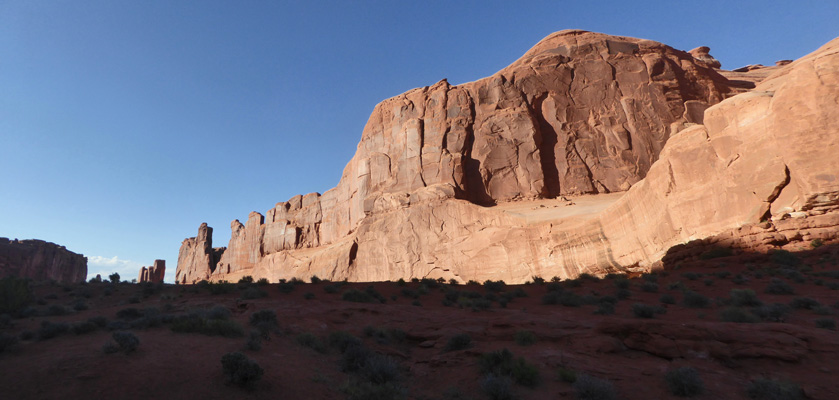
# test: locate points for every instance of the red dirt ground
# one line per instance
(633, 353)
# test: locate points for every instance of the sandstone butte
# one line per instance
(40, 260)
(590, 154)
(153, 274)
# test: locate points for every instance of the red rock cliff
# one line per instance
(40, 260)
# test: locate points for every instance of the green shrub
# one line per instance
(7, 342)
(497, 387)
(777, 286)
(744, 298)
(253, 293)
(567, 375)
(343, 340)
(314, 279)
(221, 288)
(195, 323)
(126, 341)
(695, 300)
(773, 313)
(311, 341)
(80, 328)
(254, 342)
(240, 370)
(692, 276)
(458, 342)
(804, 303)
(667, 298)
(587, 387)
(649, 287)
(643, 310)
(684, 382)
(784, 257)
(826, 323)
(494, 286)
(50, 330)
(114, 278)
(367, 296)
(769, 389)
(737, 314)
(359, 389)
(525, 338)
(264, 320)
(502, 363)
(246, 279)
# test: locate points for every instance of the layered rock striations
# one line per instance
(40, 260)
(579, 113)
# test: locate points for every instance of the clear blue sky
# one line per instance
(125, 124)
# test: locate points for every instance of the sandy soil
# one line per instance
(632, 353)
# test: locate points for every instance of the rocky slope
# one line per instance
(40, 260)
(579, 113)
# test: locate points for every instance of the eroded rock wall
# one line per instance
(40, 260)
(579, 113)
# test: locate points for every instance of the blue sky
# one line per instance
(125, 124)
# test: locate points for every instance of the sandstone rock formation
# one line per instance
(579, 113)
(154, 274)
(40, 260)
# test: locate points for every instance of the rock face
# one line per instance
(154, 274)
(40, 260)
(579, 113)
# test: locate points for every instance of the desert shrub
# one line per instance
(744, 298)
(770, 389)
(605, 308)
(264, 320)
(826, 323)
(311, 341)
(675, 285)
(80, 305)
(773, 313)
(737, 314)
(525, 338)
(503, 363)
(722, 274)
(384, 336)
(716, 252)
(587, 387)
(778, 286)
(198, 323)
(342, 340)
(254, 342)
(315, 279)
(708, 282)
(784, 257)
(7, 342)
(380, 369)
(6, 321)
(263, 282)
(253, 293)
(805, 303)
(368, 296)
(286, 287)
(126, 341)
(217, 312)
(308, 295)
(566, 375)
(354, 357)
(667, 298)
(240, 370)
(494, 286)
(822, 310)
(649, 287)
(221, 288)
(692, 276)
(80, 328)
(246, 279)
(50, 330)
(643, 310)
(129, 313)
(114, 278)
(458, 342)
(497, 387)
(359, 389)
(695, 300)
(410, 293)
(538, 280)
(684, 382)
(57, 310)
(623, 294)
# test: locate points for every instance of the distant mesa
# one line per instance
(153, 274)
(41, 261)
(655, 147)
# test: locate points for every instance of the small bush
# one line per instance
(458, 342)
(649, 287)
(343, 340)
(358, 296)
(567, 375)
(80, 328)
(695, 300)
(114, 278)
(126, 341)
(57, 310)
(221, 288)
(784, 257)
(253, 293)
(311, 341)
(684, 382)
(494, 286)
(7, 342)
(744, 298)
(359, 389)
(643, 310)
(769, 389)
(739, 315)
(129, 313)
(50, 330)
(254, 342)
(667, 298)
(502, 363)
(497, 387)
(314, 279)
(587, 387)
(286, 287)
(777, 286)
(692, 276)
(246, 279)
(525, 338)
(240, 370)
(773, 313)
(264, 320)
(826, 323)
(805, 303)
(195, 323)
(308, 295)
